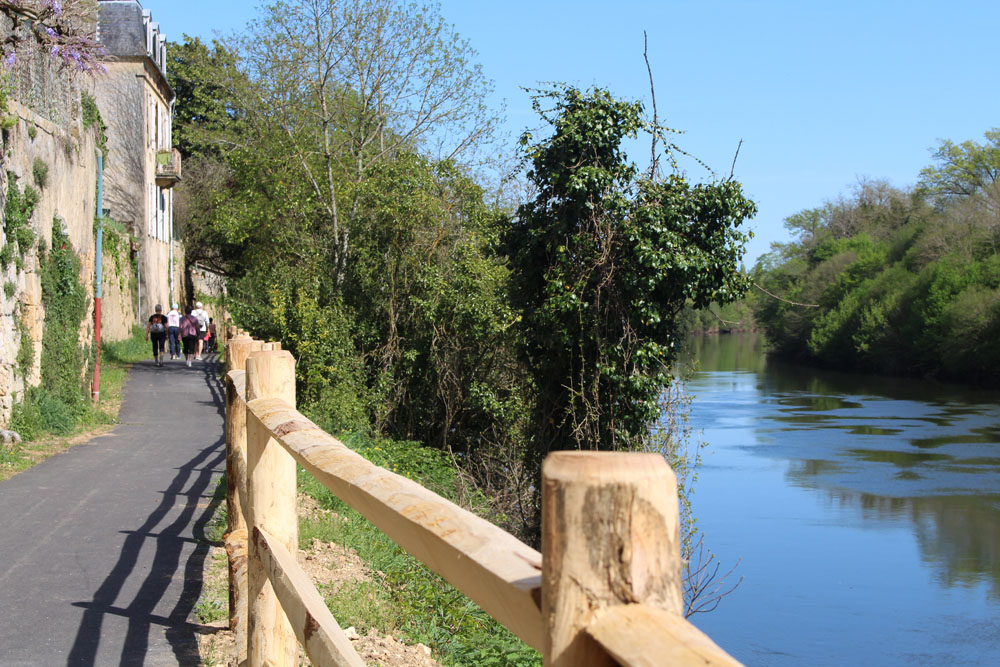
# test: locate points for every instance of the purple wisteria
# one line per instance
(62, 30)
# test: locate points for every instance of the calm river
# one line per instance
(865, 512)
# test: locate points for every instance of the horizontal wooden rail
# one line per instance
(638, 635)
(496, 570)
(607, 591)
(315, 627)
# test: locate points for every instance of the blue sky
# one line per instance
(821, 93)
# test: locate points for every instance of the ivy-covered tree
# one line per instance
(603, 259)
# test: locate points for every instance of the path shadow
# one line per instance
(188, 490)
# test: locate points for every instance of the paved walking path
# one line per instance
(101, 547)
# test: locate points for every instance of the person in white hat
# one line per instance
(174, 332)
(202, 318)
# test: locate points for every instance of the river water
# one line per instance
(864, 512)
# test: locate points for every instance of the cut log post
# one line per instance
(610, 536)
(237, 351)
(270, 507)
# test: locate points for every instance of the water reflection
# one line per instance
(894, 453)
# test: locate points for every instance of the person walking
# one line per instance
(213, 340)
(156, 331)
(189, 334)
(174, 332)
(202, 318)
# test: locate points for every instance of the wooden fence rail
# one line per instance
(605, 590)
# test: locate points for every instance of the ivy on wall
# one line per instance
(59, 401)
(20, 238)
(92, 117)
(65, 302)
(117, 244)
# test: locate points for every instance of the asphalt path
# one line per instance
(102, 546)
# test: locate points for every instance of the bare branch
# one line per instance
(732, 170)
(654, 162)
(775, 296)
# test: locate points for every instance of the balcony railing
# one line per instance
(168, 168)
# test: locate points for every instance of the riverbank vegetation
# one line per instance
(899, 281)
(352, 221)
(355, 219)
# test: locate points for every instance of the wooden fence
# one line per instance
(605, 590)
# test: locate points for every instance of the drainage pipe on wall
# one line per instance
(99, 251)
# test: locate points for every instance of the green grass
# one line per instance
(404, 597)
(46, 424)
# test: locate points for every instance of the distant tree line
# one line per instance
(904, 281)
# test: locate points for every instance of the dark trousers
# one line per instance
(157, 339)
(175, 341)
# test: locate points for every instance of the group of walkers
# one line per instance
(195, 329)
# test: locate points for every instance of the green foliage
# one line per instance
(404, 597)
(912, 290)
(8, 289)
(131, 350)
(280, 304)
(201, 78)
(17, 222)
(32, 131)
(603, 260)
(41, 412)
(65, 301)
(40, 172)
(964, 170)
(92, 118)
(116, 244)
(26, 348)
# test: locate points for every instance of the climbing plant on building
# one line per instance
(65, 302)
(91, 117)
(59, 401)
(116, 244)
(20, 238)
(40, 172)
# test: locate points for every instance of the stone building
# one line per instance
(136, 102)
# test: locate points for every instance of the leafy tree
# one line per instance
(965, 170)
(429, 294)
(603, 260)
(351, 83)
(205, 116)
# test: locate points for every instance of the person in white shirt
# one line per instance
(202, 318)
(174, 331)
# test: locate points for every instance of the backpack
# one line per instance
(157, 326)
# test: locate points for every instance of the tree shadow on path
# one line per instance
(191, 491)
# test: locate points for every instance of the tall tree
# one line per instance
(206, 110)
(351, 83)
(603, 259)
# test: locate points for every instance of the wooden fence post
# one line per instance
(610, 536)
(271, 505)
(238, 348)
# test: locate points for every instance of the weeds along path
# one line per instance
(103, 545)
